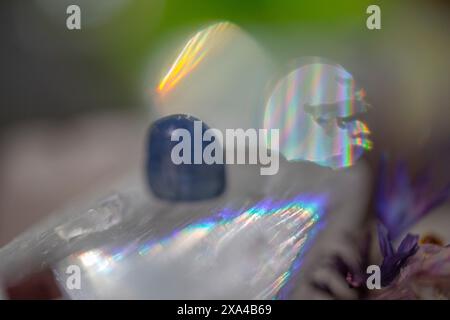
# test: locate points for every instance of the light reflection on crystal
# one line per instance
(250, 253)
(193, 53)
(315, 107)
(219, 75)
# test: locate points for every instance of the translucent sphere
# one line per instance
(315, 108)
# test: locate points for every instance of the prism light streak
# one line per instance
(302, 214)
(195, 50)
(238, 221)
(252, 252)
(319, 104)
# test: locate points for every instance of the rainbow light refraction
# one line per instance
(252, 252)
(315, 107)
(195, 50)
(301, 214)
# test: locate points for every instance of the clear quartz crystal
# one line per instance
(106, 214)
(266, 237)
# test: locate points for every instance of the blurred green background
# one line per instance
(48, 70)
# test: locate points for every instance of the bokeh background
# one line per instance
(75, 106)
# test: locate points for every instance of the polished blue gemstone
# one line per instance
(189, 180)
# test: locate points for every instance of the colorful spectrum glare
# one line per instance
(195, 50)
(315, 108)
(248, 253)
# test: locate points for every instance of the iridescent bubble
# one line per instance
(315, 107)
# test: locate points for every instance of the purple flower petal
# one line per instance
(385, 243)
(408, 244)
(394, 262)
(400, 202)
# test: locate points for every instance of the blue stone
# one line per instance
(180, 182)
